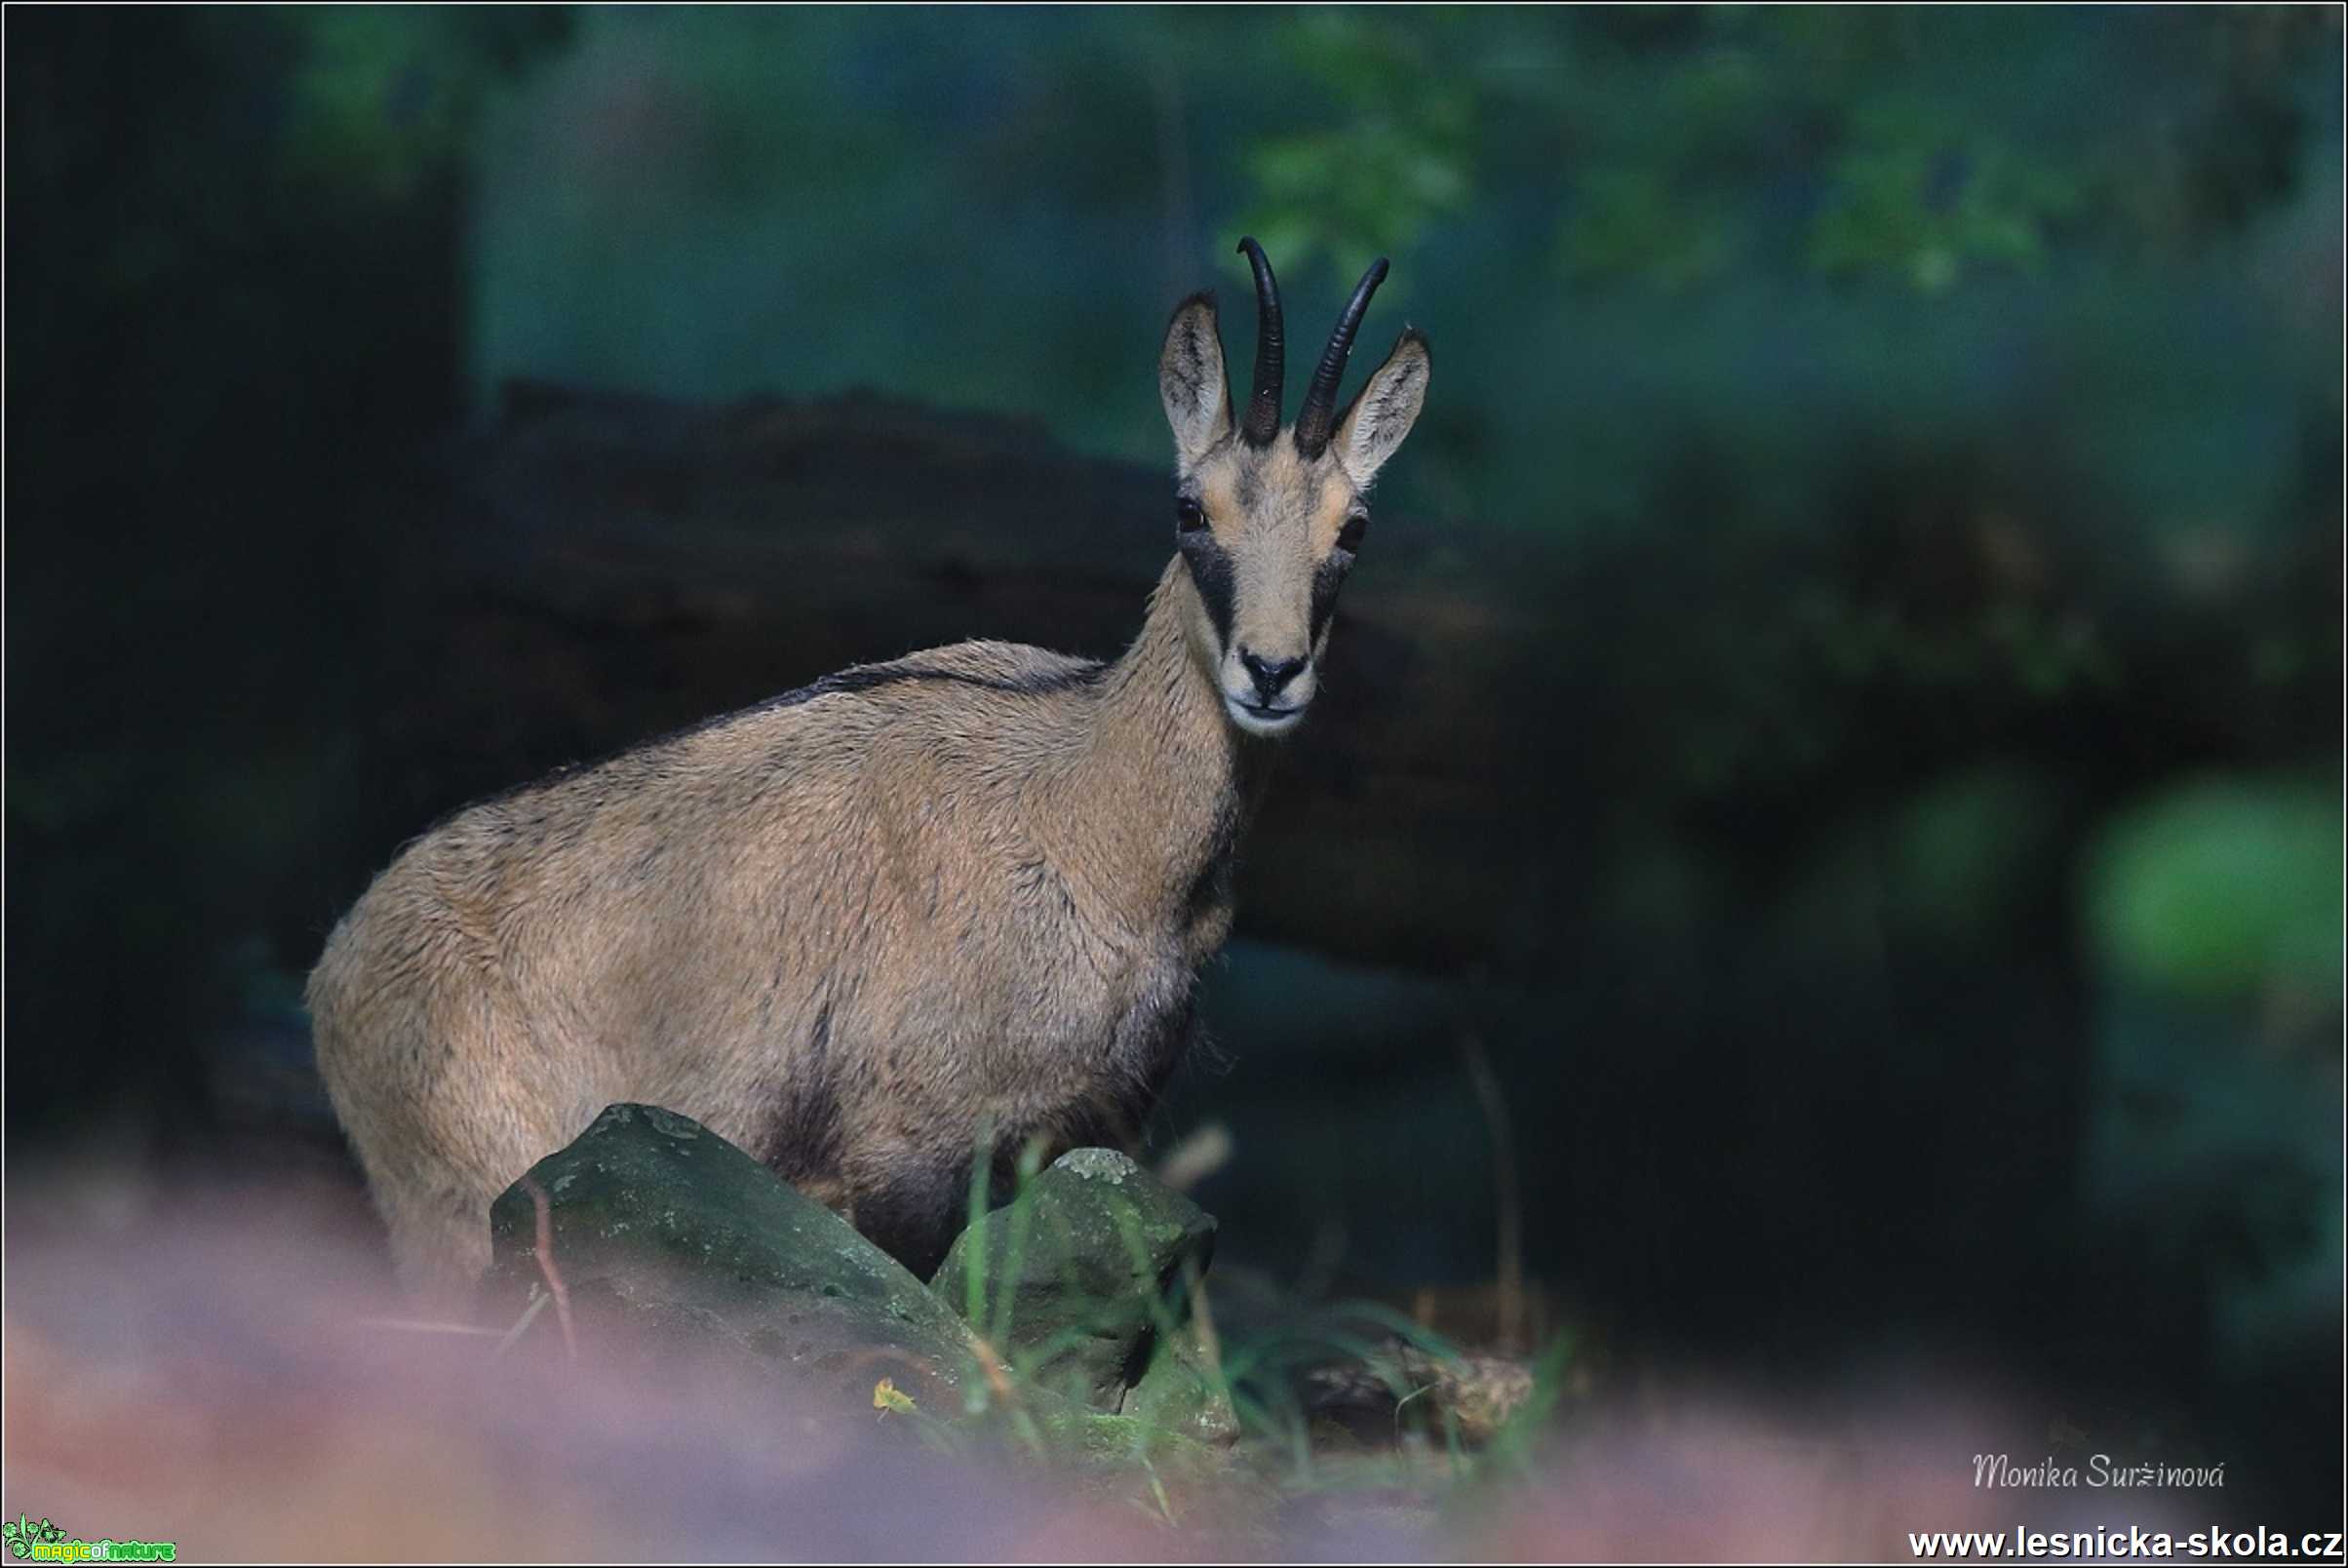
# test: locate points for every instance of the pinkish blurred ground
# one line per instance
(215, 1369)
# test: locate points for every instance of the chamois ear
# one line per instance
(1383, 410)
(1190, 379)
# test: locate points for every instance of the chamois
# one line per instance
(851, 927)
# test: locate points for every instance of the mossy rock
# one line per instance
(677, 1248)
(1078, 1279)
(680, 1240)
(1182, 1392)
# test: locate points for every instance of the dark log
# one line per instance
(614, 566)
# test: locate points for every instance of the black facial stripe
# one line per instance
(1211, 574)
(1330, 577)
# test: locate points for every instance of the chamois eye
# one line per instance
(1188, 515)
(1348, 537)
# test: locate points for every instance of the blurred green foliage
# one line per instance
(1673, 144)
(1393, 157)
(1914, 144)
(1772, 231)
(2222, 888)
(1672, 150)
(381, 99)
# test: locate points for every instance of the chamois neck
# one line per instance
(1159, 709)
(1159, 787)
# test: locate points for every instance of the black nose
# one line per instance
(1270, 675)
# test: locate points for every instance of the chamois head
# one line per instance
(1270, 527)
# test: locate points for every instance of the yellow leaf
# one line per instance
(886, 1398)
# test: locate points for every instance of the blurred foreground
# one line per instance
(225, 1370)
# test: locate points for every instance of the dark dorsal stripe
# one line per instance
(867, 678)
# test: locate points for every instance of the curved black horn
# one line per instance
(1262, 421)
(1319, 413)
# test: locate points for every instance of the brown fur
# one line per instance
(849, 928)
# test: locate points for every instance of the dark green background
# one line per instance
(1919, 430)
